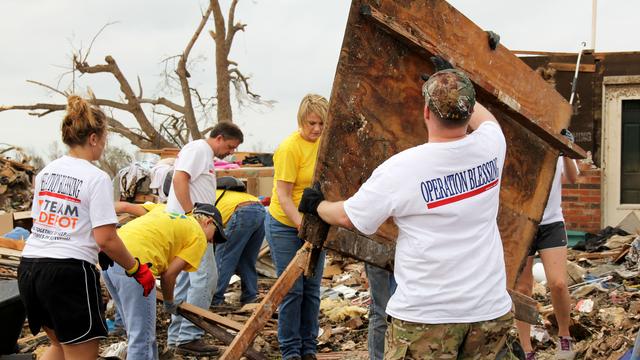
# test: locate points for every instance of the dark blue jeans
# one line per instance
(381, 285)
(245, 232)
(298, 321)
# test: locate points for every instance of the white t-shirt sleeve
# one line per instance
(35, 208)
(372, 204)
(101, 209)
(190, 160)
(493, 134)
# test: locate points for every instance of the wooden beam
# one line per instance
(16, 164)
(526, 309)
(525, 99)
(10, 252)
(206, 314)
(12, 244)
(542, 53)
(376, 111)
(247, 172)
(572, 67)
(27, 339)
(374, 249)
(268, 305)
(219, 333)
(19, 215)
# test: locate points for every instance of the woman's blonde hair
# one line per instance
(312, 103)
(81, 121)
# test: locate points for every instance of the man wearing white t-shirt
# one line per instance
(451, 298)
(194, 180)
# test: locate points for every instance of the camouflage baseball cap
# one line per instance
(450, 94)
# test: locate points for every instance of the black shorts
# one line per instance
(549, 236)
(63, 295)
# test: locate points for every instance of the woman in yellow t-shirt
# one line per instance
(294, 162)
(172, 243)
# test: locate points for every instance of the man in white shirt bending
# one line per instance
(194, 180)
(451, 299)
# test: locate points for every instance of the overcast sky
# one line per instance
(290, 48)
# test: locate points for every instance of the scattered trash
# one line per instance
(538, 273)
(115, 351)
(613, 315)
(585, 306)
(540, 334)
(339, 310)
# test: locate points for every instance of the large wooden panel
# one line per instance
(376, 111)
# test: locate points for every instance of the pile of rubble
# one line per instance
(604, 285)
(605, 289)
(15, 180)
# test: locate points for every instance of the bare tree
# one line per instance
(226, 70)
(178, 122)
(113, 159)
(54, 151)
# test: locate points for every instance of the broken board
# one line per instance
(376, 111)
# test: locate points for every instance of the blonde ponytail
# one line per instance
(81, 121)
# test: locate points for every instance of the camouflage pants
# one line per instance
(473, 341)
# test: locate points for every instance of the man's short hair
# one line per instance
(228, 130)
(450, 95)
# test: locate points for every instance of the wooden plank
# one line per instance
(19, 165)
(220, 334)
(25, 340)
(543, 53)
(572, 67)
(599, 255)
(10, 252)
(527, 97)
(526, 309)
(268, 305)
(10, 263)
(13, 244)
(246, 172)
(374, 250)
(206, 314)
(343, 355)
(19, 215)
(252, 186)
(376, 111)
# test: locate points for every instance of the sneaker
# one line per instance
(309, 357)
(530, 356)
(197, 348)
(565, 349)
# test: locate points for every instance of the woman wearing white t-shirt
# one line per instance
(73, 218)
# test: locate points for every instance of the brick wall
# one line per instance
(581, 202)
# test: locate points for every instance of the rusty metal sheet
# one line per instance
(376, 111)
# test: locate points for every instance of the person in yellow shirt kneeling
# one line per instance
(171, 243)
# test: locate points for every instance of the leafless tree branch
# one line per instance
(84, 59)
(163, 101)
(48, 87)
(183, 75)
(240, 78)
(38, 106)
(135, 109)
